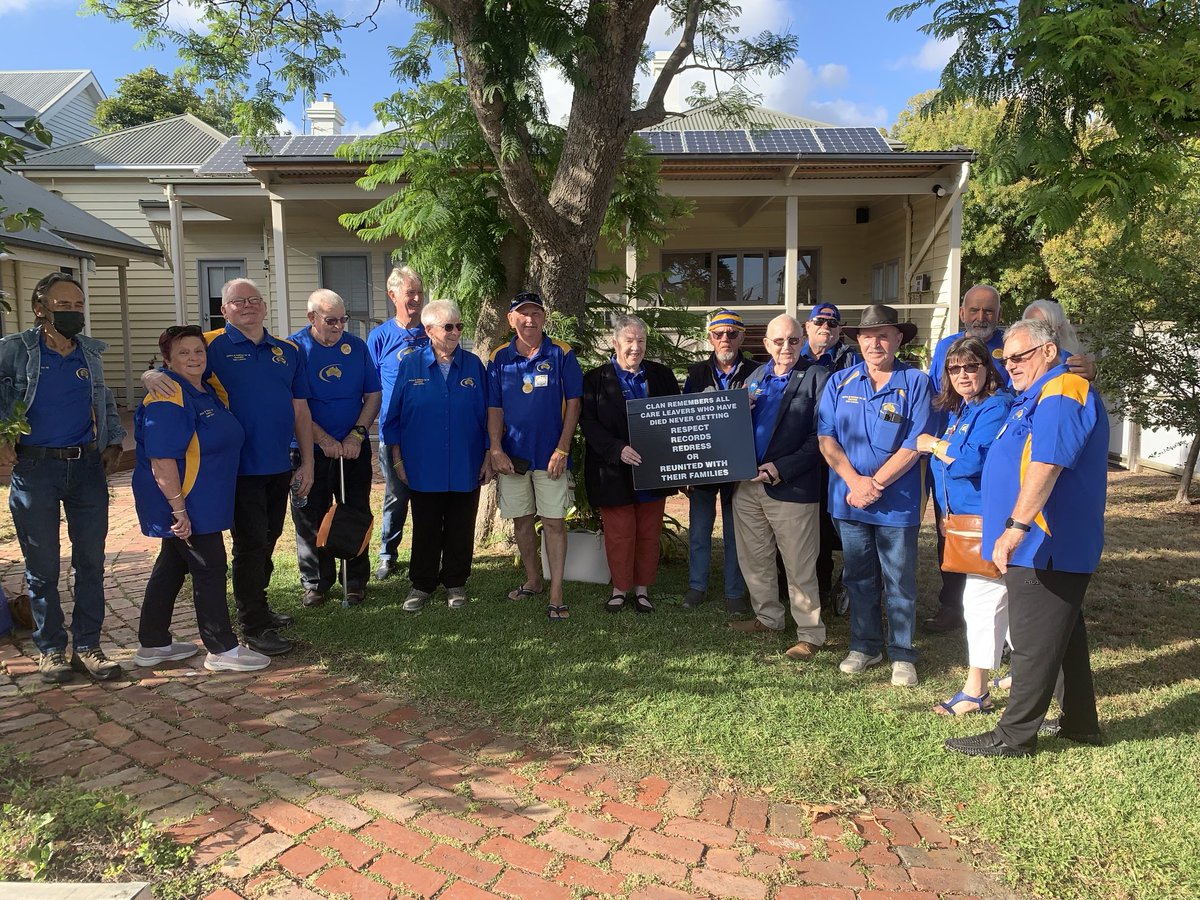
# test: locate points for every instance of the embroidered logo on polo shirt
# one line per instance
(345, 349)
(330, 373)
(277, 351)
(404, 351)
(545, 366)
(83, 374)
(468, 382)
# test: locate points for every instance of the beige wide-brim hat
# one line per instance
(874, 316)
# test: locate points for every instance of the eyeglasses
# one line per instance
(1007, 361)
(450, 326)
(969, 368)
(822, 320)
(238, 302)
(183, 331)
(724, 335)
(779, 342)
(335, 320)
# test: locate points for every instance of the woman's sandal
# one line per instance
(521, 592)
(557, 613)
(999, 682)
(615, 603)
(983, 704)
(642, 604)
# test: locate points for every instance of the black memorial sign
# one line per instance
(692, 439)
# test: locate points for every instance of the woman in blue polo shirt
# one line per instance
(188, 447)
(436, 429)
(976, 403)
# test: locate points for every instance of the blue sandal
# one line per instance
(960, 697)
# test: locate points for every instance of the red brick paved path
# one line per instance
(303, 786)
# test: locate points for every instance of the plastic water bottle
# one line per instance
(298, 501)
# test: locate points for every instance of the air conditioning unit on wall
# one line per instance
(922, 283)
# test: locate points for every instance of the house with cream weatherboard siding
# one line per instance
(64, 100)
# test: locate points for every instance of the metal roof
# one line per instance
(63, 219)
(703, 118)
(39, 90)
(178, 141)
(230, 159)
(14, 109)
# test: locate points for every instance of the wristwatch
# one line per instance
(1013, 523)
(360, 430)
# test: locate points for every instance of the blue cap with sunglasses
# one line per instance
(825, 311)
(524, 299)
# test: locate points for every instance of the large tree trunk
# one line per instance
(560, 274)
(1189, 469)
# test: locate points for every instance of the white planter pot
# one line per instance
(586, 561)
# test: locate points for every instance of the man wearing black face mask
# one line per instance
(73, 444)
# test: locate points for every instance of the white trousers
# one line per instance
(985, 609)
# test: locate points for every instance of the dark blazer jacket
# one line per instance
(793, 445)
(700, 374)
(607, 480)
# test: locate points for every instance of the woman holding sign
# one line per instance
(632, 519)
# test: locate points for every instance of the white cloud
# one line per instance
(12, 6)
(932, 57)
(372, 127)
(182, 16)
(833, 74)
(287, 126)
(558, 92)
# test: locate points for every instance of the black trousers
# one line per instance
(318, 568)
(259, 505)
(953, 583)
(204, 560)
(443, 538)
(1045, 611)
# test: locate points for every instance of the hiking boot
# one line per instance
(904, 674)
(174, 651)
(54, 667)
(313, 597)
(415, 602)
(92, 661)
(239, 659)
(801, 650)
(856, 662)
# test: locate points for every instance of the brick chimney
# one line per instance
(324, 116)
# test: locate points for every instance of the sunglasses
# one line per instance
(724, 335)
(183, 331)
(779, 342)
(822, 320)
(1016, 358)
(451, 326)
(969, 368)
(335, 320)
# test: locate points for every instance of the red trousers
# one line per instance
(631, 536)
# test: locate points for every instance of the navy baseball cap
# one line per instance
(825, 311)
(524, 298)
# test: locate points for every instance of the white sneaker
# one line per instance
(415, 601)
(239, 659)
(153, 656)
(456, 598)
(855, 662)
(904, 674)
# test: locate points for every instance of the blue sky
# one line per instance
(853, 67)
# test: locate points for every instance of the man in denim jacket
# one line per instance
(73, 444)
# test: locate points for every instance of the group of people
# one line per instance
(237, 420)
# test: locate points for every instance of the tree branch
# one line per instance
(654, 110)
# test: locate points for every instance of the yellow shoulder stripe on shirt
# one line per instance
(291, 344)
(210, 336)
(1068, 385)
(176, 397)
(498, 348)
(562, 345)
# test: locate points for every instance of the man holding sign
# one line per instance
(779, 508)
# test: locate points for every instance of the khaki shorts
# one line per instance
(535, 492)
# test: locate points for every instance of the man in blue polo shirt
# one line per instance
(1044, 490)
(535, 390)
(345, 396)
(261, 379)
(388, 344)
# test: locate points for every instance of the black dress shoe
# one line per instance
(986, 744)
(267, 641)
(1053, 728)
(386, 570)
(945, 620)
(280, 621)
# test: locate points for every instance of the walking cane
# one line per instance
(345, 562)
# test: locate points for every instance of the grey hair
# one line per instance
(1040, 332)
(437, 312)
(228, 286)
(1065, 335)
(980, 287)
(620, 323)
(401, 274)
(324, 297)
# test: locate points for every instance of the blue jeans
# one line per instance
(702, 517)
(880, 559)
(39, 488)
(395, 506)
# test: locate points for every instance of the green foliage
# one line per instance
(1102, 97)
(149, 95)
(12, 152)
(999, 244)
(15, 425)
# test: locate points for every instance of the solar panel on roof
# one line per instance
(663, 141)
(786, 140)
(852, 140)
(717, 142)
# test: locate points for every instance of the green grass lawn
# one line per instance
(678, 693)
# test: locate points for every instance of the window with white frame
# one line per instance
(738, 277)
(885, 282)
(349, 276)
